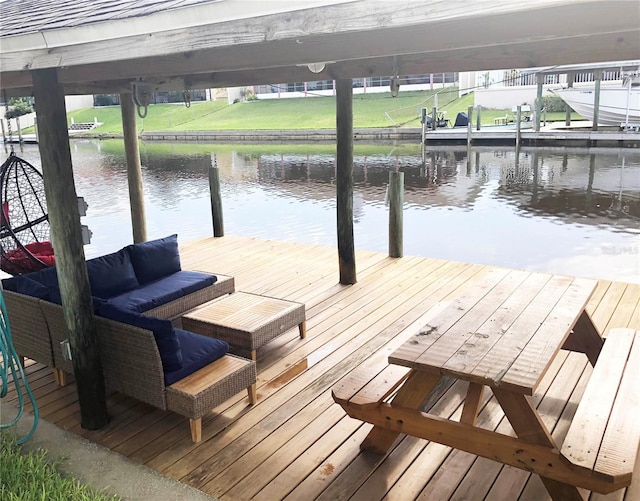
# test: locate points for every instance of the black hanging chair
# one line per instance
(24, 222)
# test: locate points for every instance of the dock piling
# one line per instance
(596, 100)
(134, 168)
(216, 199)
(469, 124)
(396, 201)
(518, 126)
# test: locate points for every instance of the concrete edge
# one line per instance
(99, 467)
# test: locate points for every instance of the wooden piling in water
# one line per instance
(134, 168)
(596, 100)
(396, 202)
(518, 125)
(538, 106)
(344, 180)
(19, 130)
(216, 200)
(567, 119)
(469, 124)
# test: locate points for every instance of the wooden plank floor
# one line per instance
(296, 444)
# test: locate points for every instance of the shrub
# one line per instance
(104, 100)
(553, 103)
(18, 107)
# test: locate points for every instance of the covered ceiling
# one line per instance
(104, 45)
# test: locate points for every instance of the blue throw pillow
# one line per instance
(111, 275)
(55, 297)
(47, 276)
(155, 259)
(165, 336)
(10, 284)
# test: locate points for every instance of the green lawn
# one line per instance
(369, 110)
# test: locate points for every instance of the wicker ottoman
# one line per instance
(246, 320)
(198, 393)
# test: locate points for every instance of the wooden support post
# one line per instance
(216, 199)
(434, 112)
(344, 180)
(19, 129)
(567, 119)
(66, 237)
(596, 100)
(134, 169)
(469, 125)
(518, 127)
(424, 140)
(538, 106)
(535, 165)
(478, 119)
(396, 201)
(592, 175)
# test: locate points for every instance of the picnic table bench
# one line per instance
(503, 334)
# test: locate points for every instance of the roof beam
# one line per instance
(450, 37)
(515, 55)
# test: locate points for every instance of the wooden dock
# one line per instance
(549, 136)
(296, 443)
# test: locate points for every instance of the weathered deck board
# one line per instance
(296, 443)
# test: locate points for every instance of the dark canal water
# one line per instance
(574, 211)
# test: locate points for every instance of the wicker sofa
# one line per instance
(143, 354)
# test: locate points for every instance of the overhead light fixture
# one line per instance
(316, 67)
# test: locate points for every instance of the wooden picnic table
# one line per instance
(504, 333)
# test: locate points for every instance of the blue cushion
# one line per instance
(111, 275)
(197, 352)
(159, 292)
(155, 259)
(9, 284)
(54, 297)
(163, 332)
(47, 276)
(29, 287)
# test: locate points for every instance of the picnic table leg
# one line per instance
(585, 338)
(411, 395)
(472, 403)
(529, 427)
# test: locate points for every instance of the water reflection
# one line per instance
(563, 211)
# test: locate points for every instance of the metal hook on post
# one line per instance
(141, 94)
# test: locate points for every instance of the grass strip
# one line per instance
(32, 476)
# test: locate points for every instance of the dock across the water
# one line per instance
(553, 134)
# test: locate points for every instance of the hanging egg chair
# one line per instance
(24, 222)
